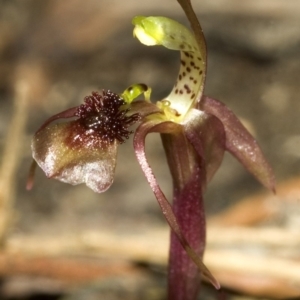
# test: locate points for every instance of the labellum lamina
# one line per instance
(84, 150)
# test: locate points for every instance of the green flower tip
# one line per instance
(148, 30)
(163, 31)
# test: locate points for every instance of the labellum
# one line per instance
(84, 150)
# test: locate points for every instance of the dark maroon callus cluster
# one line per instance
(103, 114)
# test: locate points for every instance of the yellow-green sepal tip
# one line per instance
(152, 31)
(148, 30)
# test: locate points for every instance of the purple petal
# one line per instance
(240, 143)
(69, 153)
(206, 133)
(139, 147)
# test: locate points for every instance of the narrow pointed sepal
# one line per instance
(139, 148)
(240, 143)
(70, 153)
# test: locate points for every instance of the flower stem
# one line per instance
(188, 173)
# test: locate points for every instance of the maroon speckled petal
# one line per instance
(240, 143)
(206, 133)
(69, 153)
(139, 147)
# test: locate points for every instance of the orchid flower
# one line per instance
(195, 131)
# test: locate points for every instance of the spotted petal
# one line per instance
(69, 153)
(173, 35)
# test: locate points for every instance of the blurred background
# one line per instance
(65, 242)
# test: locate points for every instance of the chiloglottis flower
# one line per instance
(195, 131)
